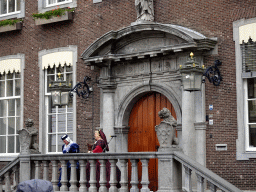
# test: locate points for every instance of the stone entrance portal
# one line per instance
(144, 58)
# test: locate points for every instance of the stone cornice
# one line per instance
(121, 129)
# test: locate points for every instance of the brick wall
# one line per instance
(211, 18)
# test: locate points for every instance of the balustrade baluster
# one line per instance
(1, 183)
(144, 179)
(64, 174)
(113, 180)
(124, 176)
(7, 182)
(37, 170)
(134, 179)
(73, 178)
(55, 176)
(213, 187)
(103, 180)
(15, 175)
(93, 180)
(188, 180)
(46, 170)
(200, 183)
(83, 180)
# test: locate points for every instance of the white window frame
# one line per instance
(7, 117)
(43, 5)
(7, 9)
(43, 130)
(57, 4)
(243, 151)
(47, 106)
(12, 156)
(16, 14)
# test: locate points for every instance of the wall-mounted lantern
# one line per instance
(59, 91)
(82, 89)
(191, 74)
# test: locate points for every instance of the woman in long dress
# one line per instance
(101, 146)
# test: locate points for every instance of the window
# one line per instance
(48, 5)
(57, 2)
(9, 6)
(10, 112)
(59, 118)
(55, 121)
(10, 9)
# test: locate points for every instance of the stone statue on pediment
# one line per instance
(145, 10)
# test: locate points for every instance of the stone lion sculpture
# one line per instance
(166, 130)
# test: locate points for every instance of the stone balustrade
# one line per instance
(170, 172)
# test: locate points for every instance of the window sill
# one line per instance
(6, 28)
(67, 16)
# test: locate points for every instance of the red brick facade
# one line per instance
(211, 18)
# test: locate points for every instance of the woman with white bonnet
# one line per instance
(69, 147)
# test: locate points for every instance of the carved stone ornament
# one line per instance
(28, 138)
(166, 131)
(145, 10)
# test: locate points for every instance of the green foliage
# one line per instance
(53, 13)
(9, 22)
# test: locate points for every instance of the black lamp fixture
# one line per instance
(85, 91)
(213, 73)
(191, 74)
(59, 91)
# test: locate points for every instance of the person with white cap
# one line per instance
(69, 147)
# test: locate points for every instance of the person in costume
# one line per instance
(69, 147)
(101, 146)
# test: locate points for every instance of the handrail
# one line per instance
(9, 166)
(206, 173)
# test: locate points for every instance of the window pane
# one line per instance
(70, 122)
(17, 87)
(18, 5)
(50, 79)
(51, 70)
(60, 70)
(62, 123)
(61, 0)
(17, 125)
(252, 111)
(11, 125)
(251, 88)
(17, 107)
(69, 79)
(69, 68)
(3, 6)
(11, 107)
(51, 1)
(9, 88)
(52, 143)
(2, 86)
(2, 126)
(60, 142)
(17, 75)
(17, 144)
(11, 6)
(9, 76)
(11, 144)
(52, 124)
(2, 144)
(3, 108)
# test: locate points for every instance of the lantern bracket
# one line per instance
(86, 90)
(213, 73)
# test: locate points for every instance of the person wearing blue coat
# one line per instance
(69, 147)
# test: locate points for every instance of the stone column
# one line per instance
(188, 120)
(109, 113)
(121, 139)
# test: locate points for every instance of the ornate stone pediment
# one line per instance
(144, 40)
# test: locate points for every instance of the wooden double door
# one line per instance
(142, 136)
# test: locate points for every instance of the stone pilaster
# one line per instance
(121, 138)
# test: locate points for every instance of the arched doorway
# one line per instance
(142, 136)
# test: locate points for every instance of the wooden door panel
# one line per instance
(142, 136)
